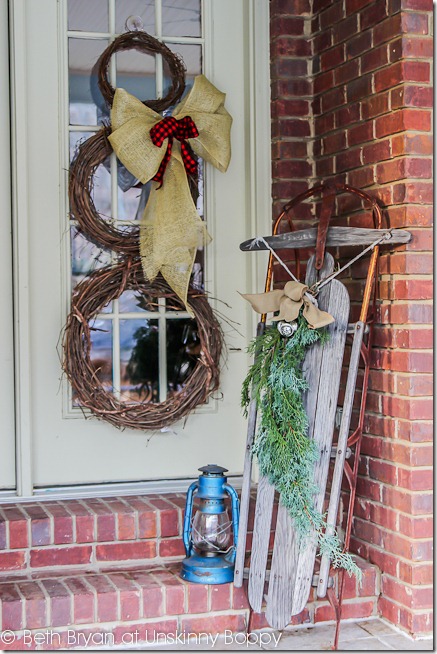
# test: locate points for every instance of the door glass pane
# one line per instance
(136, 74)
(87, 106)
(181, 18)
(101, 353)
(101, 181)
(132, 302)
(139, 354)
(144, 9)
(88, 15)
(85, 256)
(192, 56)
(183, 350)
(132, 196)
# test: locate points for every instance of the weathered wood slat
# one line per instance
(260, 543)
(245, 490)
(337, 237)
(324, 425)
(283, 572)
(292, 565)
(343, 434)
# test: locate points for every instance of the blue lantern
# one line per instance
(208, 541)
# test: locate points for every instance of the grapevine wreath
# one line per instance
(89, 298)
(107, 284)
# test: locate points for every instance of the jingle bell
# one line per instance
(287, 329)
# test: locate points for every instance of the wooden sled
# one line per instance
(289, 573)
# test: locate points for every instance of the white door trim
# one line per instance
(20, 218)
(7, 462)
(258, 77)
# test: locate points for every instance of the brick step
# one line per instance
(128, 606)
(90, 532)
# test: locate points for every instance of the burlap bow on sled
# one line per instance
(171, 229)
(289, 302)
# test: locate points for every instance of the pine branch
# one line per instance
(285, 453)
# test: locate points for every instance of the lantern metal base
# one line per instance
(208, 570)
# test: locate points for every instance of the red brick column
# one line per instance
(292, 93)
(372, 97)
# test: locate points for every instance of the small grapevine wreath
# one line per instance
(89, 298)
(107, 284)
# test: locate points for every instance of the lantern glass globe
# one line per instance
(211, 532)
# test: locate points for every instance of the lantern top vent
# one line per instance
(213, 470)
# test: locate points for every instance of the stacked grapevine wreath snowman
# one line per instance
(155, 260)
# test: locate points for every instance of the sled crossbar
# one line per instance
(336, 237)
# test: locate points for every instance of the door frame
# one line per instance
(259, 203)
(7, 412)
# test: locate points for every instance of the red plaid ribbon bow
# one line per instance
(170, 128)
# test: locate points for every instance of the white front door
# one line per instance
(60, 41)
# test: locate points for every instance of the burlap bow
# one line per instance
(289, 302)
(171, 230)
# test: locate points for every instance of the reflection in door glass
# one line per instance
(88, 15)
(183, 350)
(136, 74)
(85, 256)
(132, 302)
(132, 197)
(192, 57)
(181, 18)
(139, 358)
(101, 354)
(87, 106)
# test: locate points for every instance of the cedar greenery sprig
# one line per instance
(285, 453)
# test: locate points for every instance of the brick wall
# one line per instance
(361, 114)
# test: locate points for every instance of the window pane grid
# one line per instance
(162, 351)
(162, 316)
(101, 36)
(116, 377)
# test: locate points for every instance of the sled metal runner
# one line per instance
(289, 575)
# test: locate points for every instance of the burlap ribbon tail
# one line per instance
(171, 230)
(288, 302)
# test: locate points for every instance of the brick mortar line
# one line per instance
(407, 583)
(402, 277)
(392, 441)
(404, 302)
(412, 493)
(411, 610)
(412, 539)
(419, 327)
(344, 105)
(386, 485)
(400, 466)
(406, 350)
(399, 558)
(401, 513)
(397, 394)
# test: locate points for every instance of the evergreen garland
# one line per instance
(285, 453)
